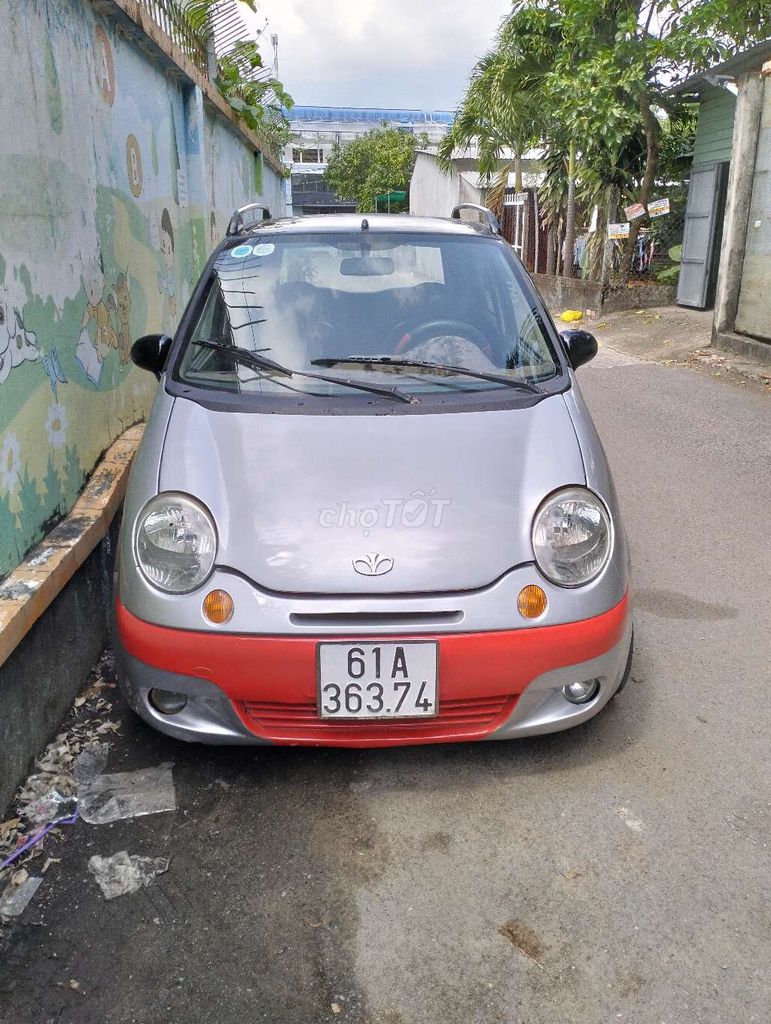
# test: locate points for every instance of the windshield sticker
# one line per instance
(265, 249)
(241, 252)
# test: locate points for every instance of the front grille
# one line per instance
(299, 723)
(372, 620)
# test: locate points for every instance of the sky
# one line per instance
(379, 53)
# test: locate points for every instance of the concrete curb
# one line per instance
(27, 592)
(54, 617)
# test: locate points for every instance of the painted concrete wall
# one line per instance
(753, 315)
(432, 192)
(742, 192)
(115, 179)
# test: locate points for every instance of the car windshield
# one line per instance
(320, 302)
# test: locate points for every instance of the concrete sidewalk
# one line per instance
(672, 336)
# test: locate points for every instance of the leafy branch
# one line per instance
(259, 99)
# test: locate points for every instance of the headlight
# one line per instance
(175, 542)
(572, 537)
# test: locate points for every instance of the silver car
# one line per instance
(370, 507)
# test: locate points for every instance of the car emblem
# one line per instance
(373, 565)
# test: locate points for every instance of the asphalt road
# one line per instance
(629, 858)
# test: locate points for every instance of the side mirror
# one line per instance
(581, 346)
(150, 351)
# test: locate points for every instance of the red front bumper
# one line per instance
(271, 680)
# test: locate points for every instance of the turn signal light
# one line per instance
(218, 606)
(532, 602)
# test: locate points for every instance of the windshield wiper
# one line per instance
(496, 378)
(261, 363)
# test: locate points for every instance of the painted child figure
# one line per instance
(166, 285)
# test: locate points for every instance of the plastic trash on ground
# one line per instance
(109, 798)
(123, 873)
(50, 805)
(16, 897)
(571, 315)
(90, 762)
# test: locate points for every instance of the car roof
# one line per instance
(376, 222)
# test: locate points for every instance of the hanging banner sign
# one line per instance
(618, 230)
(634, 211)
(658, 208)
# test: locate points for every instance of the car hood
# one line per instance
(372, 504)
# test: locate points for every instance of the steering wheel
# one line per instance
(437, 328)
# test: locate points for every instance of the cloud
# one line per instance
(400, 53)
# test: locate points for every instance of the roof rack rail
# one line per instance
(240, 220)
(492, 220)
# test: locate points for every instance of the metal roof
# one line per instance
(747, 60)
(374, 114)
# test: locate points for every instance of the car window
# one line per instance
(299, 298)
(326, 265)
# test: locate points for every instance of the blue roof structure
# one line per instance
(370, 114)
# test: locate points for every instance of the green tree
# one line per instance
(259, 99)
(497, 117)
(598, 76)
(507, 109)
(373, 164)
(261, 102)
(615, 73)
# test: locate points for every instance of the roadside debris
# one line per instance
(571, 873)
(72, 984)
(122, 874)
(719, 363)
(31, 841)
(48, 795)
(68, 782)
(90, 762)
(109, 798)
(635, 824)
(571, 315)
(47, 804)
(524, 939)
(18, 894)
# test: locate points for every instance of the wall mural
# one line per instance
(101, 240)
(17, 344)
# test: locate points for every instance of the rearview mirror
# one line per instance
(367, 266)
(150, 352)
(581, 346)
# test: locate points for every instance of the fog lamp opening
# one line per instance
(218, 606)
(581, 692)
(168, 702)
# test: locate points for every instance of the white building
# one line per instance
(317, 129)
(434, 192)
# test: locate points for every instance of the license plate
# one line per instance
(378, 680)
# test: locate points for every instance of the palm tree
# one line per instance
(499, 120)
(507, 110)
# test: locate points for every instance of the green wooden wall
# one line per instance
(715, 127)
